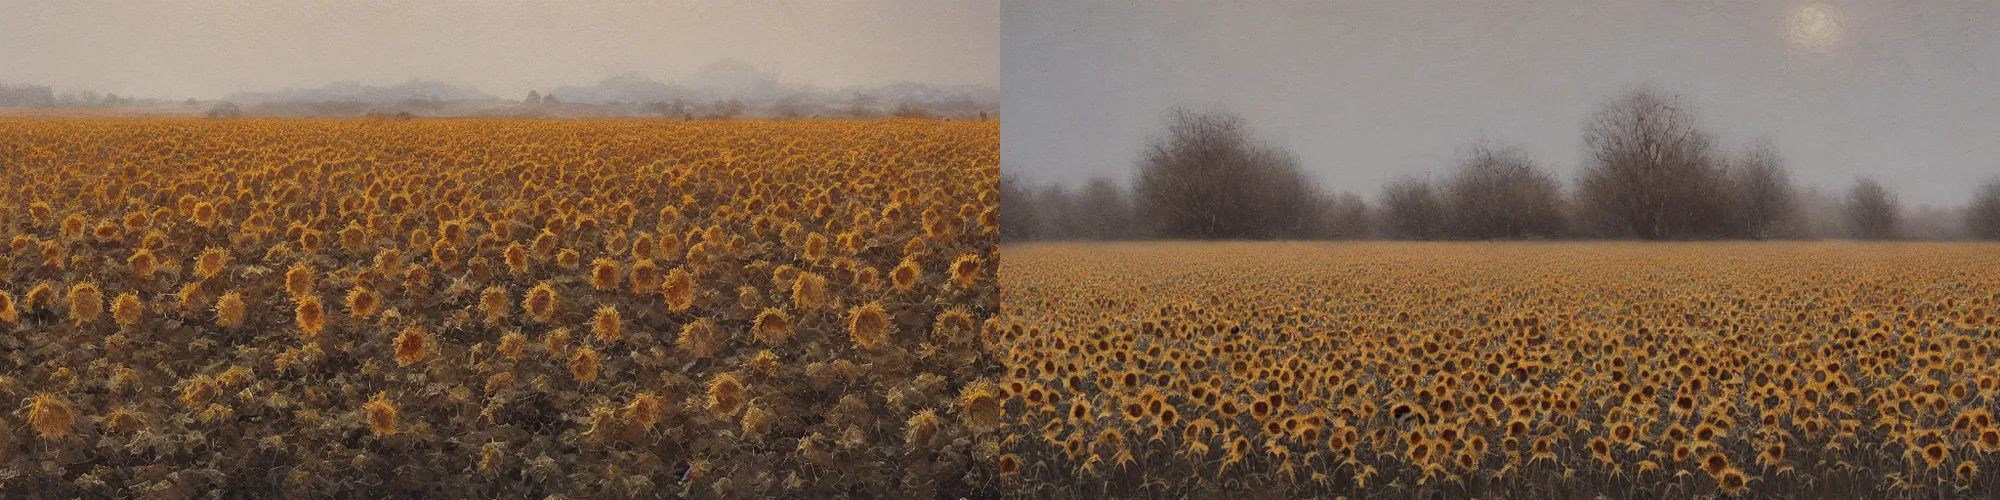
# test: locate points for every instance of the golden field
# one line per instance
(496, 308)
(1502, 370)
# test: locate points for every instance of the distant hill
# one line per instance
(723, 89)
(412, 90)
(728, 80)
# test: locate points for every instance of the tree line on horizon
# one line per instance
(1650, 172)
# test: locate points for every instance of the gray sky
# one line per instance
(1363, 91)
(199, 48)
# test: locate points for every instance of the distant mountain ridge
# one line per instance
(728, 80)
(725, 80)
(413, 90)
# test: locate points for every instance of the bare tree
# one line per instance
(1498, 193)
(225, 110)
(27, 96)
(1102, 211)
(725, 110)
(912, 111)
(1930, 223)
(1764, 203)
(792, 106)
(1018, 217)
(1871, 211)
(1206, 179)
(675, 109)
(1982, 216)
(1650, 170)
(1413, 209)
(862, 106)
(1057, 208)
(1345, 217)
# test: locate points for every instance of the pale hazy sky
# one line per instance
(1908, 91)
(194, 48)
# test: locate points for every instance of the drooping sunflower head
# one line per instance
(516, 257)
(984, 410)
(583, 365)
(921, 428)
(363, 303)
(51, 417)
(701, 338)
(604, 275)
(495, 303)
(568, 259)
(144, 263)
(230, 311)
(606, 325)
(906, 275)
(540, 305)
(126, 310)
(645, 277)
(679, 289)
(381, 415)
(8, 312)
(310, 316)
(726, 395)
(772, 327)
(869, 326)
(814, 249)
(412, 345)
(1732, 481)
(299, 280)
(1715, 463)
(86, 302)
(809, 292)
(965, 270)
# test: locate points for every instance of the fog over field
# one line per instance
(821, 55)
(1365, 93)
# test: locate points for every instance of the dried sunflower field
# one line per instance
(497, 308)
(1527, 370)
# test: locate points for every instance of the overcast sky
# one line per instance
(1907, 91)
(195, 48)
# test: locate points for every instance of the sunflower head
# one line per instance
(1732, 481)
(606, 325)
(310, 316)
(363, 303)
(921, 429)
(604, 275)
(679, 289)
(726, 395)
(583, 365)
(299, 280)
(51, 417)
(772, 327)
(645, 276)
(126, 310)
(381, 415)
(144, 263)
(540, 305)
(809, 292)
(412, 345)
(701, 338)
(869, 326)
(86, 302)
(230, 310)
(965, 270)
(8, 312)
(984, 410)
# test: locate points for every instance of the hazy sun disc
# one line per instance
(1816, 28)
